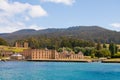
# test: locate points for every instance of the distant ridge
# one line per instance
(93, 33)
(24, 31)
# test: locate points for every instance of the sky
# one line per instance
(42, 14)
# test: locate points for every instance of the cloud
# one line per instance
(11, 9)
(27, 18)
(66, 2)
(13, 15)
(11, 26)
(14, 26)
(36, 27)
(115, 25)
(37, 11)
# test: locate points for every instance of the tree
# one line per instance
(93, 52)
(3, 42)
(98, 47)
(66, 43)
(78, 49)
(116, 49)
(33, 43)
(117, 55)
(102, 53)
(68, 49)
(113, 49)
(60, 50)
(105, 53)
(98, 54)
(104, 45)
(88, 51)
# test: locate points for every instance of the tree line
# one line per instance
(3, 42)
(89, 48)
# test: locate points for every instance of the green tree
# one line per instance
(98, 47)
(68, 49)
(3, 42)
(88, 51)
(113, 49)
(117, 55)
(60, 50)
(105, 53)
(78, 49)
(104, 45)
(66, 43)
(33, 43)
(93, 52)
(98, 54)
(116, 49)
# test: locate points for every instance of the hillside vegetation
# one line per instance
(89, 33)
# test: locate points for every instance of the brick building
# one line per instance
(39, 54)
(34, 54)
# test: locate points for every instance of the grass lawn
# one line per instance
(114, 60)
(13, 49)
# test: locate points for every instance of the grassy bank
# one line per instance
(13, 49)
(114, 60)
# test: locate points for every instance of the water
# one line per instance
(59, 71)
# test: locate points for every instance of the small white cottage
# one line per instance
(16, 56)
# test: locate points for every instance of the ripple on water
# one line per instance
(58, 71)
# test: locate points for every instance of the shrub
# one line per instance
(117, 55)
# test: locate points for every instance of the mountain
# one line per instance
(24, 31)
(92, 33)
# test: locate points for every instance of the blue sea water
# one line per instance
(59, 71)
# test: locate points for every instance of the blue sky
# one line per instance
(42, 14)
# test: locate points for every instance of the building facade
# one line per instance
(5, 53)
(39, 54)
(16, 56)
(21, 44)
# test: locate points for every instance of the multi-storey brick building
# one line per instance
(39, 54)
(34, 54)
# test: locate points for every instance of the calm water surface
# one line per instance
(58, 71)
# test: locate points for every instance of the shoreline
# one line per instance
(117, 60)
(60, 60)
(66, 60)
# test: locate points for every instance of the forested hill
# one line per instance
(92, 33)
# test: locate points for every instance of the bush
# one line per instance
(117, 55)
(60, 50)
(78, 49)
(65, 48)
(103, 53)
